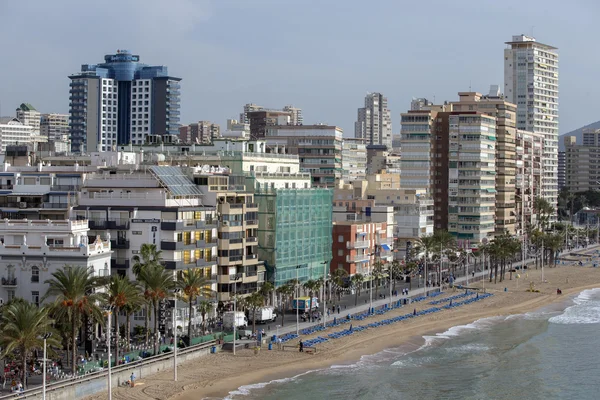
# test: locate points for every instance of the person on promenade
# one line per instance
(301, 346)
(132, 379)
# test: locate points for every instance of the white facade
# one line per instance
(109, 116)
(141, 110)
(374, 122)
(30, 251)
(296, 118)
(354, 160)
(13, 132)
(531, 82)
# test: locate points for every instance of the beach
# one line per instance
(216, 375)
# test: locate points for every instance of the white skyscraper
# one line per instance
(531, 82)
(374, 122)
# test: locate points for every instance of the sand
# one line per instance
(215, 375)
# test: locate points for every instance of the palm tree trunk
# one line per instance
(190, 323)
(74, 344)
(24, 372)
(118, 335)
(147, 323)
(128, 333)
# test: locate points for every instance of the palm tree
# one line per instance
(338, 278)
(357, 281)
(23, 325)
(553, 243)
(254, 302)
(426, 245)
(158, 284)
(377, 274)
(148, 256)
(193, 284)
(203, 307)
(267, 290)
(395, 271)
(74, 288)
(120, 293)
(543, 210)
(411, 267)
(284, 291)
(445, 242)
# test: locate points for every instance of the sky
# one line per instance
(320, 55)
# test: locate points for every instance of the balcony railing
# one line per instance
(118, 224)
(237, 240)
(97, 224)
(251, 256)
(358, 258)
(359, 244)
(251, 239)
(119, 263)
(119, 244)
(251, 222)
(9, 281)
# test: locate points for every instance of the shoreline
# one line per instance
(216, 376)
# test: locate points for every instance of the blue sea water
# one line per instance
(547, 354)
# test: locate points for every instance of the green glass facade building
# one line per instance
(294, 232)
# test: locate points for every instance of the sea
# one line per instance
(552, 353)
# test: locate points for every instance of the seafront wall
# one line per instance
(98, 382)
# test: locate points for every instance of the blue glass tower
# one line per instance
(121, 101)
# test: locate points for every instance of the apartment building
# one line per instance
(295, 113)
(562, 170)
(529, 152)
(471, 177)
(319, 148)
(380, 159)
(199, 132)
(354, 159)
(261, 120)
(28, 115)
(239, 271)
(531, 82)
(374, 121)
(358, 245)
(582, 162)
(13, 132)
(494, 104)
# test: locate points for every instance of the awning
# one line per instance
(362, 233)
(491, 190)
(386, 247)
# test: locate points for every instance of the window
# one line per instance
(35, 298)
(341, 239)
(35, 274)
(11, 294)
(340, 252)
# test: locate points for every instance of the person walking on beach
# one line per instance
(338, 309)
(301, 346)
(132, 379)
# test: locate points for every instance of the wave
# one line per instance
(246, 389)
(586, 310)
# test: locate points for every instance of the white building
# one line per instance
(354, 159)
(30, 251)
(374, 122)
(28, 115)
(531, 82)
(13, 132)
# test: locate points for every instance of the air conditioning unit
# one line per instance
(22, 204)
(225, 223)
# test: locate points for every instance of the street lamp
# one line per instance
(324, 294)
(108, 334)
(45, 336)
(175, 293)
(297, 301)
(234, 309)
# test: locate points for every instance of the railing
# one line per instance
(251, 222)
(119, 244)
(9, 281)
(251, 256)
(251, 240)
(251, 273)
(235, 205)
(97, 224)
(359, 244)
(119, 263)
(252, 205)
(65, 188)
(359, 258)
(237, 240)
(118, 224)
(37, 392)
(235, 258)
(55, 205)
(235, 277)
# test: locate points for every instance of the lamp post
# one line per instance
(108, 334)
(297, 302)
(175, 293)
(485, 242)
(234, 309)
(45, 336)
(324, 295)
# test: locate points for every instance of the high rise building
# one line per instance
(54, 126)
(494, 104)
(295, 113)
(354, 160)
(529, 150)
(28, 115)
(296, 117)
(562, 169)
(13, 132)
(199, 132)
(374, 123)
(471, 177)
(260, 121)
(248, 108)
(420, 103)
(582, 162)
(531, 82)
(121, 101)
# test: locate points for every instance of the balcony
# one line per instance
(251, 240)
(203, 262)
(186, 224)
(203, 243)
(359, 244)
(170, 245)
(120, 263)
(120, 224)
(64, 188)
(251, 222)
(97, 224)
(9, 282)
(358, 258)
(119, 244)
